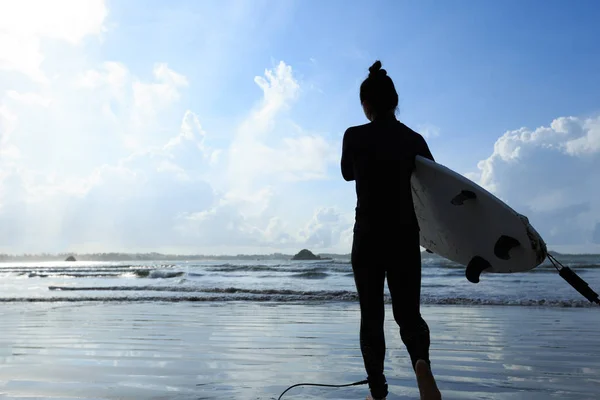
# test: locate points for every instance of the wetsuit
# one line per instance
(380, 157)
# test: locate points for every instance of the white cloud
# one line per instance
(279, 87)
(258, 159)
(112, 74)
(134, 204)
(589, 142)
(99, 159)
(28, 98)
(168, 192)
(325, 228)
(551, 175)
(126, 96)
(428, 130)
(8, 122)
(150, 98)
(218, 227)
(260, 150)
(24, 23)
(78, 122)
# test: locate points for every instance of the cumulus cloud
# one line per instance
(75, 123)
(325, 228)
(258, 160)
(112, 75)
(124, 96)
(8, 122)
(103, 160)
(24, 23)
(150, 98)
(259, 151)
(133, 204)
(174, 190)
(551, 175)
(28, 98)
(92, 157)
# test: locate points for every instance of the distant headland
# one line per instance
(307, 255)
(114, 256)
(304, 254)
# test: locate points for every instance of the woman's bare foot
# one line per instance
(426, 382)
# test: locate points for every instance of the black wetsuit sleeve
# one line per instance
(346, 164)
(423, 149)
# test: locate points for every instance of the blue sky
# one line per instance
(507, 64)
(92, 93)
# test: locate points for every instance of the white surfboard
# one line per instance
(463, 222)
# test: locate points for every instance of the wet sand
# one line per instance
(255, 351)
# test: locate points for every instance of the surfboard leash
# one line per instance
(364, 382)
(574, 280)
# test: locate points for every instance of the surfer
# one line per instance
(380, 157)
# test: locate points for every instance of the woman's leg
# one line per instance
(369, 278)
(427, 386)
(404, 282)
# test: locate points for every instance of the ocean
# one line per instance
(283, 281)
(247, 330)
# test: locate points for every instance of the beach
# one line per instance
(248, 330)
(240, 350)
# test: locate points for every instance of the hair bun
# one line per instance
(375, 69)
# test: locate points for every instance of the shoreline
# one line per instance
(255, 351)
(124, 300)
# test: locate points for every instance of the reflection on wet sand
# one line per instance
(254, 351)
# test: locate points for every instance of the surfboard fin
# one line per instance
(475, 267)
(464, 195)
(429, 251)
(503, 245)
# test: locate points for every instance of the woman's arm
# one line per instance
(346, 164)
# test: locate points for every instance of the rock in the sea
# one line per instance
(305, 255)
(70, 258)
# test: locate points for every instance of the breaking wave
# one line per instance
(298, 298)
(311, 275)
(191, 294)
(309, 282)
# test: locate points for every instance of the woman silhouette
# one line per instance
(380, 157)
